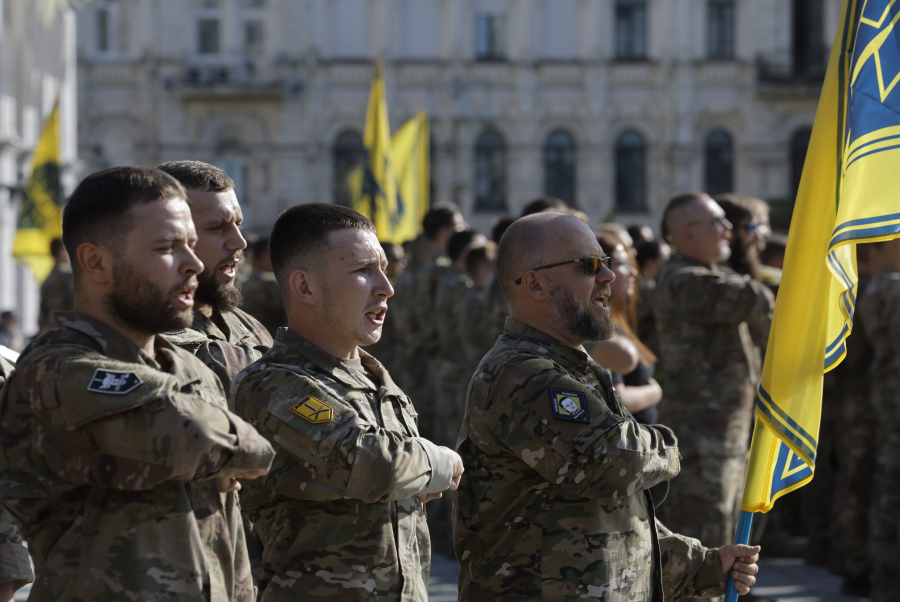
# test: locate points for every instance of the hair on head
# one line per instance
(480, 254)
(300, 235)
(197, 175)
(500, 226)
(545, 203)
(458, 242)
(735, 211)
(56, 245)
(680, 200)
(648, 252)
(97, 211)
(260, 246)
(440, 216)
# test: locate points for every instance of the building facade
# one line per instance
(613, 105)
(37, 67)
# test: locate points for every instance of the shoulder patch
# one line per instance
(115, 382)
(313, 410)
(569, 405)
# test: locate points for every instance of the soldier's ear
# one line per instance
(535, 286)
(303, 287)
(95, 261)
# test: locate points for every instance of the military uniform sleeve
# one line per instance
(608, 456)
(131, 440)
(703, 296)
(689, 570)
(15, 565)
(327, 441)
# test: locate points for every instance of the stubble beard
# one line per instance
(143, 306)
(221, 297)
(576, 319)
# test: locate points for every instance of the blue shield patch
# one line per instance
(569, 405)
(114, 382)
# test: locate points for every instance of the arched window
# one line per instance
(348, 151)
(799, 145)
(559, 166)
(490, 172)
(719, 162)
(631, 23)
(631, 170)
(720, 30)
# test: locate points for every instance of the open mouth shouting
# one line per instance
(376, 314)
(601, 301)
(185, 296)
(229, 269)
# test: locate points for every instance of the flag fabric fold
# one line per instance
(40, 215)
(847, 196)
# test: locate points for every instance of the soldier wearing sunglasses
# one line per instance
(558, 498)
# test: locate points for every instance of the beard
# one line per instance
(144, 306)
(222, 297)
(576, 319)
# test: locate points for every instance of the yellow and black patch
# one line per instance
(313, 410)
(569, 405)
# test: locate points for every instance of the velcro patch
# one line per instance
(313, 410)
(569, 405)
(115, 382)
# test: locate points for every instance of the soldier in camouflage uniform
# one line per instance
(225, 338)
(341, 516)
(58, 289)
(15, 568)
(119, 457)
(705, 319)
(261, 293)
(881, 310)
(557, 501)
(475, 337)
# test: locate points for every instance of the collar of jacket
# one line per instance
(679, 258)
(575, 357)
(237, 332)
(332, 366)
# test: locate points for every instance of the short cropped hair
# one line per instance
(300, 235)
(458, 242)
(56, 245)
(545, 203)
(500, 226)
(480, 254)
(678, 201)
(97, 212)
(440, 216)
(197, 175)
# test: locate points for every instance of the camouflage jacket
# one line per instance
(879, 310)
(704, 318)
(14, 563)
(338, 514)
(428, 278)
(108, 463)
(555, 503)
(262, 300)
(57, 294)
(451, 292)
(475, 337)
(225, 353)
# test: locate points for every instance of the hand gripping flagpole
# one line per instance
(745, 522)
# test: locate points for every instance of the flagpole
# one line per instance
(745, 522)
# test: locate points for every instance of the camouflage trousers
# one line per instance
(884, 546)
(704, 499)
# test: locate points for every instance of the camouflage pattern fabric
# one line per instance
(338, 514)
(14, 563)
(476, 338)
(452, 371)
(57, 294)
(109, 463)
(646, 321)
(881, 308)
(705, 317)
(496, 310)
(227, 344)
(401, 325)
(262, 300)
(556, 500)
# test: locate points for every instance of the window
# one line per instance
(809, 47)
(208, 36)
(720, 30)
(490, 37)
(719, 163)
(490, 172)
(631, 17)
(559, 166)
(254, 40)
(348, 151)
(631, 171)
(799, 145)
(103, 32)
(560, 29)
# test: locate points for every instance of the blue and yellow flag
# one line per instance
(848, 195)
(40, 216)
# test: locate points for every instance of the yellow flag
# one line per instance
(848, 195)
(376, 196)
(40, 216)
(411, 164)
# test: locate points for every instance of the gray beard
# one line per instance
(576, 319)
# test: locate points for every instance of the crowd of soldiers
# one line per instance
(232, 458)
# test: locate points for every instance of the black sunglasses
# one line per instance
(592, 265)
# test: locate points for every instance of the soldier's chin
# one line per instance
(371, 337)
